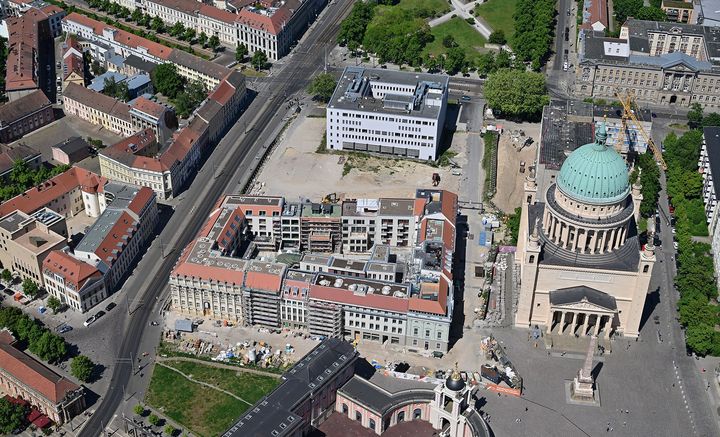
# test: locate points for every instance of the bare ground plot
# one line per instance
(295, 170)
(60, 130)
(510, 180)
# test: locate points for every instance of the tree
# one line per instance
(189, 34)
(352, 29)
(54, 304)
(157, 25)
(167, 80)
(699, 338)
(6, 275)
(154, 420)
(11, 416)
(82, 368)
(139, 409)
(202, 39)
(169, 429)
(49, 347)
(695, 115)
(322, 87)
(712, 119)
(651, 13)
(534, 30)
(240, 52)
(516, 94)
(214, 43)
(259, 60)
(177, 29)
(454, 60)
(137, 16)
(449, 41)
(626, 8)
(96, 68)
(30, 288)
(485, 64)
(497, 37)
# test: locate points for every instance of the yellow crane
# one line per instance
(630, 108)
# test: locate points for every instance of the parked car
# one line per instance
(90, 321)
(110, 306)
(465, 98)
(65, 328)
(100, 314)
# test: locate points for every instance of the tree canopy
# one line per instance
(166, 80)
(82, 368)
(11, 416)
(240, 52)
(534, 30)
(30, 288)
(322, 86)
(352, 29)
(49, 347)
(516, 94)
(497, 37)
(259, 60)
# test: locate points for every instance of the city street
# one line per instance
(231, 164)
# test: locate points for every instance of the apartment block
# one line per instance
(24, 115)
(388, 112)
(26, 240)
(321, 227)
(29, 53)
(76, 284)
(98, 109)
(128, 220)
(262, 293)
(682, 11)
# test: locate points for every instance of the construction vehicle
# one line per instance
(330, 198)
(630, 108)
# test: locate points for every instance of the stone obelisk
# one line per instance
(583, 385)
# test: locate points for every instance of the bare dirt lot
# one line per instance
(510, 180)
(295, 169)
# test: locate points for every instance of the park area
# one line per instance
(205, 398)
(499, 15)
(463, 35)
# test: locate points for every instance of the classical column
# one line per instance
(602, 241)
(596, 328)
(585, 323)
(552, 320)
(547, 219)
(572, 321)
(564, 235)
(608, 326)
(583, 240)
(576, 237)
(593, 241)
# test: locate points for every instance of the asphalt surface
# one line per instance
(224, 169)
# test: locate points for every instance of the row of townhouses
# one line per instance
(152, 154)
(34, 235)
(403, 298)
(270, 26)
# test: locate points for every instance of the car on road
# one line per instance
(9, 292)
(154, 323)
(673, 231)
(110, 306)
(465, 98)
(65, 328)
(90, 321)
(100, 314)
(675, 245)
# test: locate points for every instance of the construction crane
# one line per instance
(629, 104)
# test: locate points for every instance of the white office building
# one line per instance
(388, 112)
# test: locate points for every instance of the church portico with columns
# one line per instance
(583, 269)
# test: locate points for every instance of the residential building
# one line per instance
(9, 155)
(70, 151)
(29, 53)
(128, 220)
(22, 376)
(321, 227)
(304, 398)
(661, 63)
(709, 167)
(77, 284)
(73, 63)
(67, 194)
(682, 11)
(594, 15)
(375, 299)
(99, 109)
(145, 113)
(26, 240)
(24, 115)
(388, 112)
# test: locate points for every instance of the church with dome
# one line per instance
(582, 268)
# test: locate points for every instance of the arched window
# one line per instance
(645, 268)
(532, 259)
(401, 417)
(358, 416)
(344, 408)
(371, 424)
(417, 414)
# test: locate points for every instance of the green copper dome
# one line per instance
(595, 173)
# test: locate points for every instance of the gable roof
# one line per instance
(71, 269)
(571, 295)
(18, 109)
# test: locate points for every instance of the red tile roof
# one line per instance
(74, 64)
(273, 25)
(141, 199)
(340, 295)
(23, 42)
(439, 291)
(71, 269)
(148, 106)
(264, 276)
(223, 93)
(35, 375)
(116, 239)
(41, 195)
(217, 14)
(121, 36)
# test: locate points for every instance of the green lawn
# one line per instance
(499, 15)
(439, 7)
(205, 411)
(248, 386)
(465, 36)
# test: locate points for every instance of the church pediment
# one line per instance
(582, 298)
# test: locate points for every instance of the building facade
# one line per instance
(22, 376)
(76, 284)
(582, 269)
(388, 112)
(24, 115)
(709, 167)
(670, 64)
